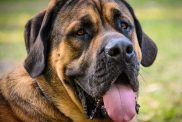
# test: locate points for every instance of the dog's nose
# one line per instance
(119, 48)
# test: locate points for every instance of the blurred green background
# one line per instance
(161, 85)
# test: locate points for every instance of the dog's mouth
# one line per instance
(118, 102)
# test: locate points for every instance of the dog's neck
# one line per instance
(24, 96)
(62, 96)
(43, 99)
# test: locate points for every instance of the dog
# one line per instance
(82, 64)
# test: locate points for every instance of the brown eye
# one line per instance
(81, 32)
(124, 26)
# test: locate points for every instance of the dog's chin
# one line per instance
(116, 101)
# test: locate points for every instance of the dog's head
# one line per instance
(94, 46)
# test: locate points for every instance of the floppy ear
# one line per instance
(147, 45)
(149, 50)
(32, 29)
(36, 35)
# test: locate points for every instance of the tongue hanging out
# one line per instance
(120, 103)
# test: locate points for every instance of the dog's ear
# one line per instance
(37, 32)
(149, 50)
(147, 45)
(32, 29)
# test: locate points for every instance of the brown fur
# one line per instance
(23, 100)
(47, 97)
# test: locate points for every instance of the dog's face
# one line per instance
(93, 46)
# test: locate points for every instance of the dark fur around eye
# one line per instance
(121, 25)
(83, 32)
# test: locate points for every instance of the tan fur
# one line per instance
(22, 96)
(22, 92)
(19, 85)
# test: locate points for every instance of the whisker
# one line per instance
(143, 79)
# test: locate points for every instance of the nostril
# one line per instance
(117, 49)
(129, 49)
(113, 52)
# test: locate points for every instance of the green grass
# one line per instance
(161, 84)
(13, 17)
(161, 87)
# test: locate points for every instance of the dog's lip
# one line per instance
(126, 80)
(116, 81)
(99, 104)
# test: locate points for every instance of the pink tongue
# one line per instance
(120, 103)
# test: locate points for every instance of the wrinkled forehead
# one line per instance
(93, 9)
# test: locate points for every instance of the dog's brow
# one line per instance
(115, 12)
(98, 5)
(86, 18)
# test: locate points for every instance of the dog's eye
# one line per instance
(81, 32)
(124, 27)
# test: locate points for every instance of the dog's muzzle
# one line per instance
(119, 48)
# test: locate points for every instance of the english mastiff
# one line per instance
(83, 59)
